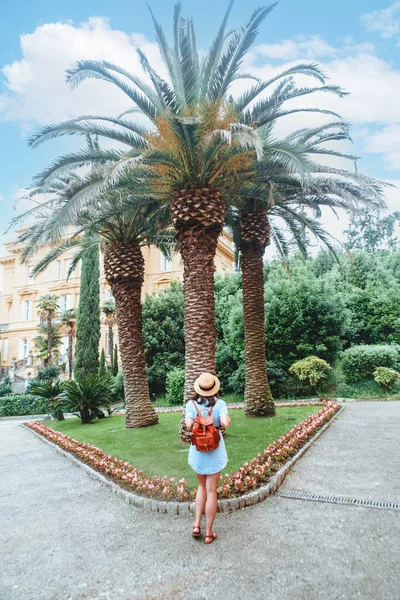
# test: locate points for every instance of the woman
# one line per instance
(208, 465)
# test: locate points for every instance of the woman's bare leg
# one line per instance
(201, 497)
(212, 503)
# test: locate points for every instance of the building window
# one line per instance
(58, 269)
(166, 263)
(5, 350)
(26, 310)
(109, 295)
(65, 302)
(77, 300)
(30, 275)
(107, 348)
(23, 349)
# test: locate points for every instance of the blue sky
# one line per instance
(356, 42)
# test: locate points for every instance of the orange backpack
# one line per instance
(205, 436)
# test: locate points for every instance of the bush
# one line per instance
(312, 370)
(360, 362)
(16, 405)
(43, 375)
(6, 386)
(118, 391)
(385, 377)
(87, 395)
(363, 389)
(175, 387)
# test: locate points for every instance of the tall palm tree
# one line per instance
(123, 219)
(47, 310)
(109, 310)
(68, 321)
(199, 145)
(279, 196)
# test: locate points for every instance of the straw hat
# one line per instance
(207, 384)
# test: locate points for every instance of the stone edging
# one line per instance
(184, 508)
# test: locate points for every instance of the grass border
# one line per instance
(225, 504)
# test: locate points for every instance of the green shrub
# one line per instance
(118, 392)
(87, 395)
(175, 386)
(6, 386)
(386, 377)
(16, 405)
(360, 362)
(46, 374)
(364, 389)
(312, 370)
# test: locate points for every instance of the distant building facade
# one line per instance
(19, 319)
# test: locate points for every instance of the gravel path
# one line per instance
(65, 537)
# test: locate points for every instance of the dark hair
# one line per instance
(212, 400)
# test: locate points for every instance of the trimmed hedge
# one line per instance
(16, 405)
(360, 362)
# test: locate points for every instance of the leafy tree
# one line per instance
(115, 367)
(313, 370)
(370, 231)
(163, 335)
(88, 318)
(102, 365)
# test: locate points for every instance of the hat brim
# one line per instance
(210, 392)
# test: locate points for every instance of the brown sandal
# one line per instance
(196, 534)
(211, 538)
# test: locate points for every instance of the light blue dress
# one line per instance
(207, 463)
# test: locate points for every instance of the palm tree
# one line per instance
(68, 320)
(123, 220)
(48, 307)
(109, 310)
(279, 196)
(200, 145)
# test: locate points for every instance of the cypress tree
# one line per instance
(102, 365)
(115, 363)
(88, 318)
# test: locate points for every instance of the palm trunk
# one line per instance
(124, 269)
(254, 237)
(198, 251)
(258, 401)
(49, 338)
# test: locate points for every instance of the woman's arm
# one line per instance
(225, 420)
(189, 424)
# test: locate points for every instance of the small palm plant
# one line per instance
(52, 391)
(86, 396)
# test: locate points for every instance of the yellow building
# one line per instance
(20, 292)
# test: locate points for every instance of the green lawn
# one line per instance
(158, 451)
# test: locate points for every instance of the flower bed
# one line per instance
(250, 476)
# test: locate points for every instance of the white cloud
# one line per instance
(386, 21)
(386, 142)
(38, 93)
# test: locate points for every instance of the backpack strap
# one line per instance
(209, 408)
